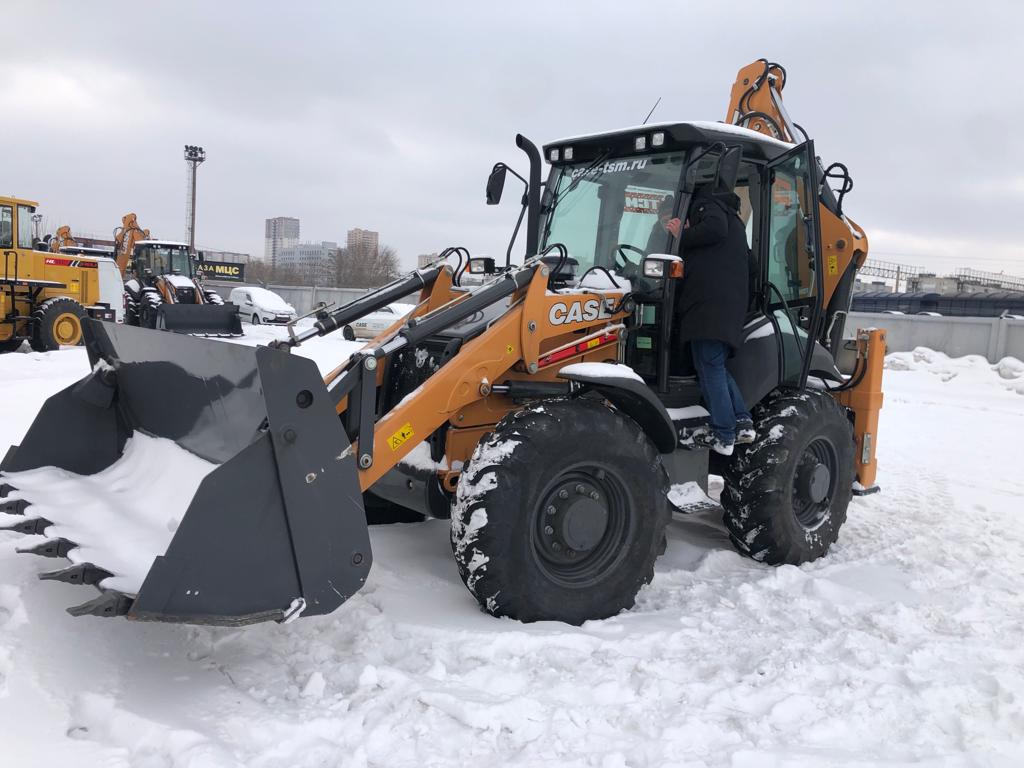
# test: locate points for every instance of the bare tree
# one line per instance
(363, 268)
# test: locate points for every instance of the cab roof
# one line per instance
(5, 200)
(676, 136)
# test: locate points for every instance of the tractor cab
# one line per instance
(153, 258)
(608, 200)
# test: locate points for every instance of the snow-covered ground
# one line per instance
(903, 645)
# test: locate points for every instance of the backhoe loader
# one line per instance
(540, 410)
(162, 287)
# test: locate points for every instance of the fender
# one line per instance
(636, 400)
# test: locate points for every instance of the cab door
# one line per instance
(791, 265)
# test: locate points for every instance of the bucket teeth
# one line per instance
(32, 526)
(14, 506)
(106, 604)
(83, 573)
(51, 548)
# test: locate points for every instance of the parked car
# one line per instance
(930, 314)
(369, 326)
(258, 305)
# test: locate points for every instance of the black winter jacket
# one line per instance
(715, 292)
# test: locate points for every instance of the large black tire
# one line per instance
(560, 513)
(786, 494)
(212, 297)
(150, 302)
(57, 322)
(10, 345)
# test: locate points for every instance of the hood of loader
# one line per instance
(277, 527)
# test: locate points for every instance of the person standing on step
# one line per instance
(712, 308)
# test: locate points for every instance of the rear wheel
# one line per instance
(57, 323)
(560, 514)
(786, 494)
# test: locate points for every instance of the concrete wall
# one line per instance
(992, 337)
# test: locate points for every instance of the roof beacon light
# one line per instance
(641, 142)
(553, 155)
(658, 139)
(567, 154)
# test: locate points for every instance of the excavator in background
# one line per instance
(44, 295)
(540, 411)
(163, 289)
(62, 239)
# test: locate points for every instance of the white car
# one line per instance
(258, 305)
(370, 325)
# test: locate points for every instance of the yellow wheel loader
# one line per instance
(45, 296)
(540, 410)
(163, 286)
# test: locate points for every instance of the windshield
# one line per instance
(166, 260)
(613, 204)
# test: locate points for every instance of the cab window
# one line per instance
(24, 226)
(6, 227)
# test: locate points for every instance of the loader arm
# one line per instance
(515, 347)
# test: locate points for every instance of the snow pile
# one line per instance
(120, 518)
(1008, 373)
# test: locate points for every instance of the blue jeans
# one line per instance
(721, 395)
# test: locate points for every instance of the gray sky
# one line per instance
(389, 116)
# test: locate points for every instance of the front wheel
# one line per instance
(57, 323)
(560, 513)
(255, 320)
(786, 494)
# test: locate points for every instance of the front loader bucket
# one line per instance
(201, 319)
(276, 528)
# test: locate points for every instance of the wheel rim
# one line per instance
(67, 329)
(814, 482)
(581, 526)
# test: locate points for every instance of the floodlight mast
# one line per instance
(193, 157)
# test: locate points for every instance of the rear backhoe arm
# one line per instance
(756, 103)
(125, 238)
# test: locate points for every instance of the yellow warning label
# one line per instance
(404, 433)
(510, 349)
(833, 264)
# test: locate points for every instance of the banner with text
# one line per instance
(227, 271)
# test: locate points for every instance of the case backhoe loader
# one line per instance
(539, 410)
(163, 289)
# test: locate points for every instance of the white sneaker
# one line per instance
(704, 437)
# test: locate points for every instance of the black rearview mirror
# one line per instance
(728, 170)
(496, 183)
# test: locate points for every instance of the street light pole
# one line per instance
(193, 157)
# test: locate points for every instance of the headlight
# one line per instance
(654, 268)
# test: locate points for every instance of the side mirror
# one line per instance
(728, 170)
(496, 183)
(481, 266)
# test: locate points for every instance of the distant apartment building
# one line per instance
(363, 241)
(281, 232)
(315, 263)
(424, 259)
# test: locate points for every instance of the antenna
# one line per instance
(652, 111)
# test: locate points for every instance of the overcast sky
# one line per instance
(389, 116)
